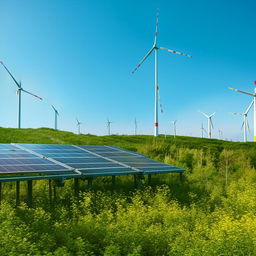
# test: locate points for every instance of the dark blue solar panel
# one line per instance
(101, 160)
(46, 146)
(94, 165)
(14, 160)
(30, 168)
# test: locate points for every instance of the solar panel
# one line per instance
(88, 163)
(14, 160)
(134, 160)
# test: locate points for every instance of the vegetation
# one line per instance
(212, 212)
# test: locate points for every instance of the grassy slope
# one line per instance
(51, 136)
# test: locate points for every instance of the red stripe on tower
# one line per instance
(156, 124)
(255, 82)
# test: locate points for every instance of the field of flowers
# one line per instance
(211, 212)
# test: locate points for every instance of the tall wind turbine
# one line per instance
(56, 113)
(245, 123)
(108, 125)
(20, 89)
(174, 127)
(210, 124)
(254, 102)
(78, 125)
(155, 48)
(135, 126)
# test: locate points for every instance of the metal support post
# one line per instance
(30, 188)
(17, 193)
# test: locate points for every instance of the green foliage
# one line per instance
(212, 212)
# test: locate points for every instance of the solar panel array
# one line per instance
(88, 161)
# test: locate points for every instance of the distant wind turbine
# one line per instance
(135, 126)
(202, 130)
(210, 124)
(220, 134)
(174, 127)
(245, 123)
(78, 125)
(108, 126)
(20, 89)
(254, 102)
(155, 48)
(56, 113)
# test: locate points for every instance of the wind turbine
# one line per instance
(108, 125)
(254, 102)
(78, 125)
(245, 123)
(135, 126)
(20, 89)
(155, 48)
(210, 124)
(220, 134)
(174, 127)
(56, 113)
(203, 130)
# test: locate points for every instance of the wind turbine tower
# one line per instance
(108, 126)
(245, 123)
(19, 90)
(174, 127)
(210, 124)
(56, 113)
(202, 130)
(78, 126)
(135, 126)
(254, 102)
(155, 48)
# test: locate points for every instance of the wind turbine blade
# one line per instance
(236, 90)
(212, 114)
(203, 114)
(54, 108)
(248, 109)
(156, 34)
(144, 58)
(247, 124)
(211, 123)
(242, 125)
(32, 94)
(172, 51)
(10, 74)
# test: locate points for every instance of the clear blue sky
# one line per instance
(78, 55)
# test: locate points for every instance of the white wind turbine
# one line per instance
(174, 127)
(108, 126)
(135, 126)
(220, 134)
(254, 102)
(56, 113)
(78, 125)
(155, 48)
(202, 130)
(20, 89)
(245, 123)
(210, 124)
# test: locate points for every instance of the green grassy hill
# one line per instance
(212, 212)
